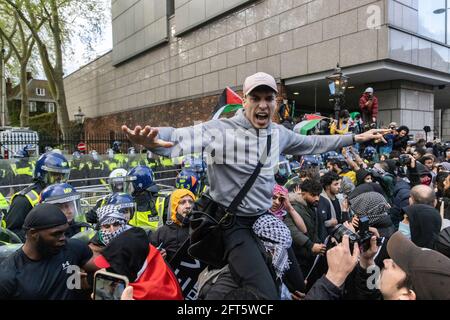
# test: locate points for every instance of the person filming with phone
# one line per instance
(368, 104)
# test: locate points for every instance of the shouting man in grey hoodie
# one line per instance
(234, 146)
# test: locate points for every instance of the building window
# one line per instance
(432, 17)
(40, 92)
(33, 107)
(50, 107)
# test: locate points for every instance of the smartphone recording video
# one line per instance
(109, 286)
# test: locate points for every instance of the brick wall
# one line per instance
(175, 114)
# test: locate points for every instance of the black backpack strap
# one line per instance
(232, 208)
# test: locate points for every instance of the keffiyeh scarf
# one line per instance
(110, 215)
(370, 204)
(276, 238)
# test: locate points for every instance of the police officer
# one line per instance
(79, 170)
(144, 192)
(135, 159)
(96, 169)
(65, 197)
(6, 177)
(197, 165)
(117, 182)
(118, 156)
(22, 168)
(50, 168)
(4, 207)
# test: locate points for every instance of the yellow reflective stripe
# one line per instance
(4, 205)
(33, 197)
(24, 171)
(160, 205)
(143, 219)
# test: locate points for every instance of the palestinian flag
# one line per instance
(229, 101)
(305, 126)
(313, 117)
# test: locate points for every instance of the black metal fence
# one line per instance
(68, 144)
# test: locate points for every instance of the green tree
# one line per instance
(51, 24)
(21, 44)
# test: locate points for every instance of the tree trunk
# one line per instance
(62, 113)
(24, 111)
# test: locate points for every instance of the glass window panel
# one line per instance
(432, 19)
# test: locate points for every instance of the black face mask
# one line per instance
(183, 219)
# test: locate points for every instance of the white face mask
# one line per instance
(405, 230)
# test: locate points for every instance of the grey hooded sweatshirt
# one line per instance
(234, 147)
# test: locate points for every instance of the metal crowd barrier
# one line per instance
(92, 193)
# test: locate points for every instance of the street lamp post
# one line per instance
(79, 119)
(337, 84)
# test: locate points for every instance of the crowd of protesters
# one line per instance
(359, 213)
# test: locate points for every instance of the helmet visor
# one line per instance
(127, 209)
(57, 177)
(71, 208)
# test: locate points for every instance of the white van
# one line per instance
(15, 139)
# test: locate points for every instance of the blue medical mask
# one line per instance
(405, 230)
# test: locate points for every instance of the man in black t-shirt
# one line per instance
(330, 207)
(46, 267)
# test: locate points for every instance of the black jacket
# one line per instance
(19, 209)
(401, 200)
(170, 237)
(400, 143)
(323, 289)
(425, 224)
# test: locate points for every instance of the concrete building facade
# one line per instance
(170, 62)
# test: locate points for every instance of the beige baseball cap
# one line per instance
(257, 80)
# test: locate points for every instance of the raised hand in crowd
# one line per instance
(341, 261)
(298, 220)
(368, 256)
(147, 137)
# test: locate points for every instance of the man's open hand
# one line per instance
(147, 137)
(374, 134)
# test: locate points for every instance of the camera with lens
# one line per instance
(362, 237)
(404, 160)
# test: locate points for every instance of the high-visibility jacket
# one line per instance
(163, 206)
(166, 162)
(31, 195)
(146, 215)
(26, 171)
(4, 206)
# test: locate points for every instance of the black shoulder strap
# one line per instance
(241, 195)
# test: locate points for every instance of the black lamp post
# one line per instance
(79, 119)
(337, 84)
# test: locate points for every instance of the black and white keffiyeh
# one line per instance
(370, 204)
(110, 214)
(276, 237)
